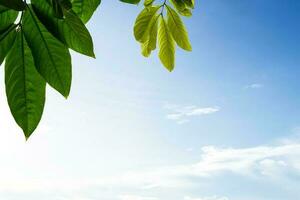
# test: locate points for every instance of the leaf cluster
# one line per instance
(162, 24)
(35, 39)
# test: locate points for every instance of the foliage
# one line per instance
(35, 39)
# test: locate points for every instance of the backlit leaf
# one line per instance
(166, 45)
(178, 29)
(142, 23)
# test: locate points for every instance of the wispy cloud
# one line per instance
(182, 114)
(254, 86)
(136, 197)
(206, 198)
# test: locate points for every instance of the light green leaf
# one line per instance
(178, 29)
(142, 23)
(151, 41)
(148, 2)
(190, 3)
(7, 17)
(166, 45)
(13, 4)
(85, 8)
(52, 58)
(25, 88)
(7, 38)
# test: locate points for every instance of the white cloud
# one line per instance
(205, 198)
(181, 114)
(254, 86)
(135, 197)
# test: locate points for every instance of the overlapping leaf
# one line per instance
(142, 23)
(178, 29)
(25, 88)
(69, 30)
(7, 17)
(51, 57)
(13, 4)
(7, 38)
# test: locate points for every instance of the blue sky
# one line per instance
(223, 126)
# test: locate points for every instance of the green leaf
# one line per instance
(181, 7)
(178, 29)
(151, 41)
(52, 58)
(142, 23)
(7, 38)
(85, 8)
(166, 45)
(69, 30)
(25, 88)
(7, 17)
(131, 1)
(76, 35)
(190, 3)
(148, 2)
(13, 4)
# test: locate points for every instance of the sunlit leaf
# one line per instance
(166, 45)
(142, 23)
(178, 29)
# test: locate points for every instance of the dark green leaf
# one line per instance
(85, 8)
(7, 38)
(13, 4)
(7, 17)
(131, 1)
(52, 58)
(69, 30)
(25, 88)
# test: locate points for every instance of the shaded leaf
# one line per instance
(7, 38)
(25, 88)
(13, 4)
(52, 58)
(181, 7)
(69, 30)
(7, 17)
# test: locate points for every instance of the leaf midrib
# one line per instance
(48, 50)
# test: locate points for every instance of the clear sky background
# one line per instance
(224, 125)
